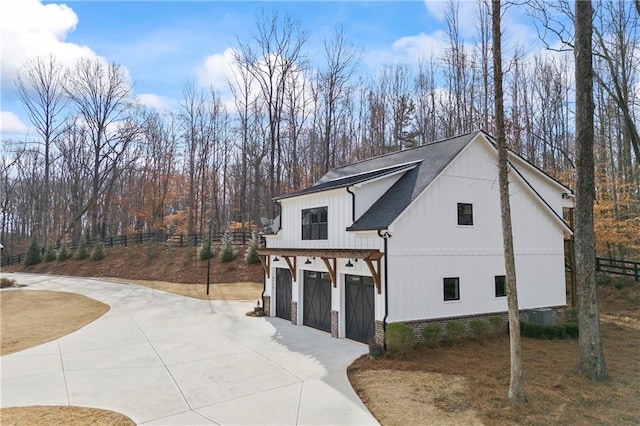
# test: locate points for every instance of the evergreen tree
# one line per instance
(33, 254)
(227, 253)
(251, 256)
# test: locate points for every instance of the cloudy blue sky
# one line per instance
(161, 44)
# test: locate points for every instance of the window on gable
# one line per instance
(451, 288)
(314, 223)
(465, 214)
(501, 286)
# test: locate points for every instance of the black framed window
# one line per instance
(314, 223)
(465, 214)
(451, 288)
(501, 285)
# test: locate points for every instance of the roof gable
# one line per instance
(435, 157)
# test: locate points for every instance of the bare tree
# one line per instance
(516, 385)
(276, 55)
(592, 362)
(342, 62)
(101, 96)
(40, 85)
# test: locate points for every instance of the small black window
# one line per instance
(501, 286)
(465, 214)
(314, 224)
(451, 289)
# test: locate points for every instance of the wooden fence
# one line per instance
(619, 267)
(175, 240)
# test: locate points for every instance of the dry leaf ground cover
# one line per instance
(468, 381)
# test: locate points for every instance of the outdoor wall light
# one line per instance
(308, 261)
(349, 264)
(275, 259)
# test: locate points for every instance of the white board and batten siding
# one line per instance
(428, 245)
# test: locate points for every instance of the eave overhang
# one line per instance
(328, 256)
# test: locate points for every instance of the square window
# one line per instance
(501, 286)
(465, 214)
(451, 288)
(314, 224)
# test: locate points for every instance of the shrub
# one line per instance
(560, 331)
(50, 254)
(603, 278)
(81, 251)
(6, 282)
(251, 256)
(400, 338)
(63, 253)
(572, 329)
(33, 254)
(205, 251)
(97, 253)
(227, 252)
(455, 330)
(497, 324)
(431, 334)
(479, 328)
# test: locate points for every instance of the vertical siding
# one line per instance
(428, 245)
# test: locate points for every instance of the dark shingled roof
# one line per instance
(435, 156)
(347, 180)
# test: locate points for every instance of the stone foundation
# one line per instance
(294, 313)
(418, 325)
(378, 335)
(266, 305)
(334, 323)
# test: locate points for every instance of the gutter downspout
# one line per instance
(264, 282)
(353, 204)
(385, 237)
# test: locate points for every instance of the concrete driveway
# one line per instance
(161, 358)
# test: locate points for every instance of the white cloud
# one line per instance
(30, 29)
(217, 70)
(10, 124)
(157, 102)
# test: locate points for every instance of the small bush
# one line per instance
(205, 251)
(50, 254)
(497, 324)
(400, 338)
(81, 251)
(455, 330)
(572, 329)
(33, 254)
(227, 252)
(251, 256)
(431, 334)
(6, 283)
(63, 253)
(560, 331)
(97, 253)
(479, 328)
(603, 278)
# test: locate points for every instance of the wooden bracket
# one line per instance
(328, 261)
(266, 264)
(292, 267)
(375, 271)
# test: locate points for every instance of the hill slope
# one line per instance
(152, 261)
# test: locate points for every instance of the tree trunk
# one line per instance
(592, 362)
(516, 385)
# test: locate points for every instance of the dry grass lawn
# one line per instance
(30, 318)
(428, 384)
(68, 416)
(218, 291)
